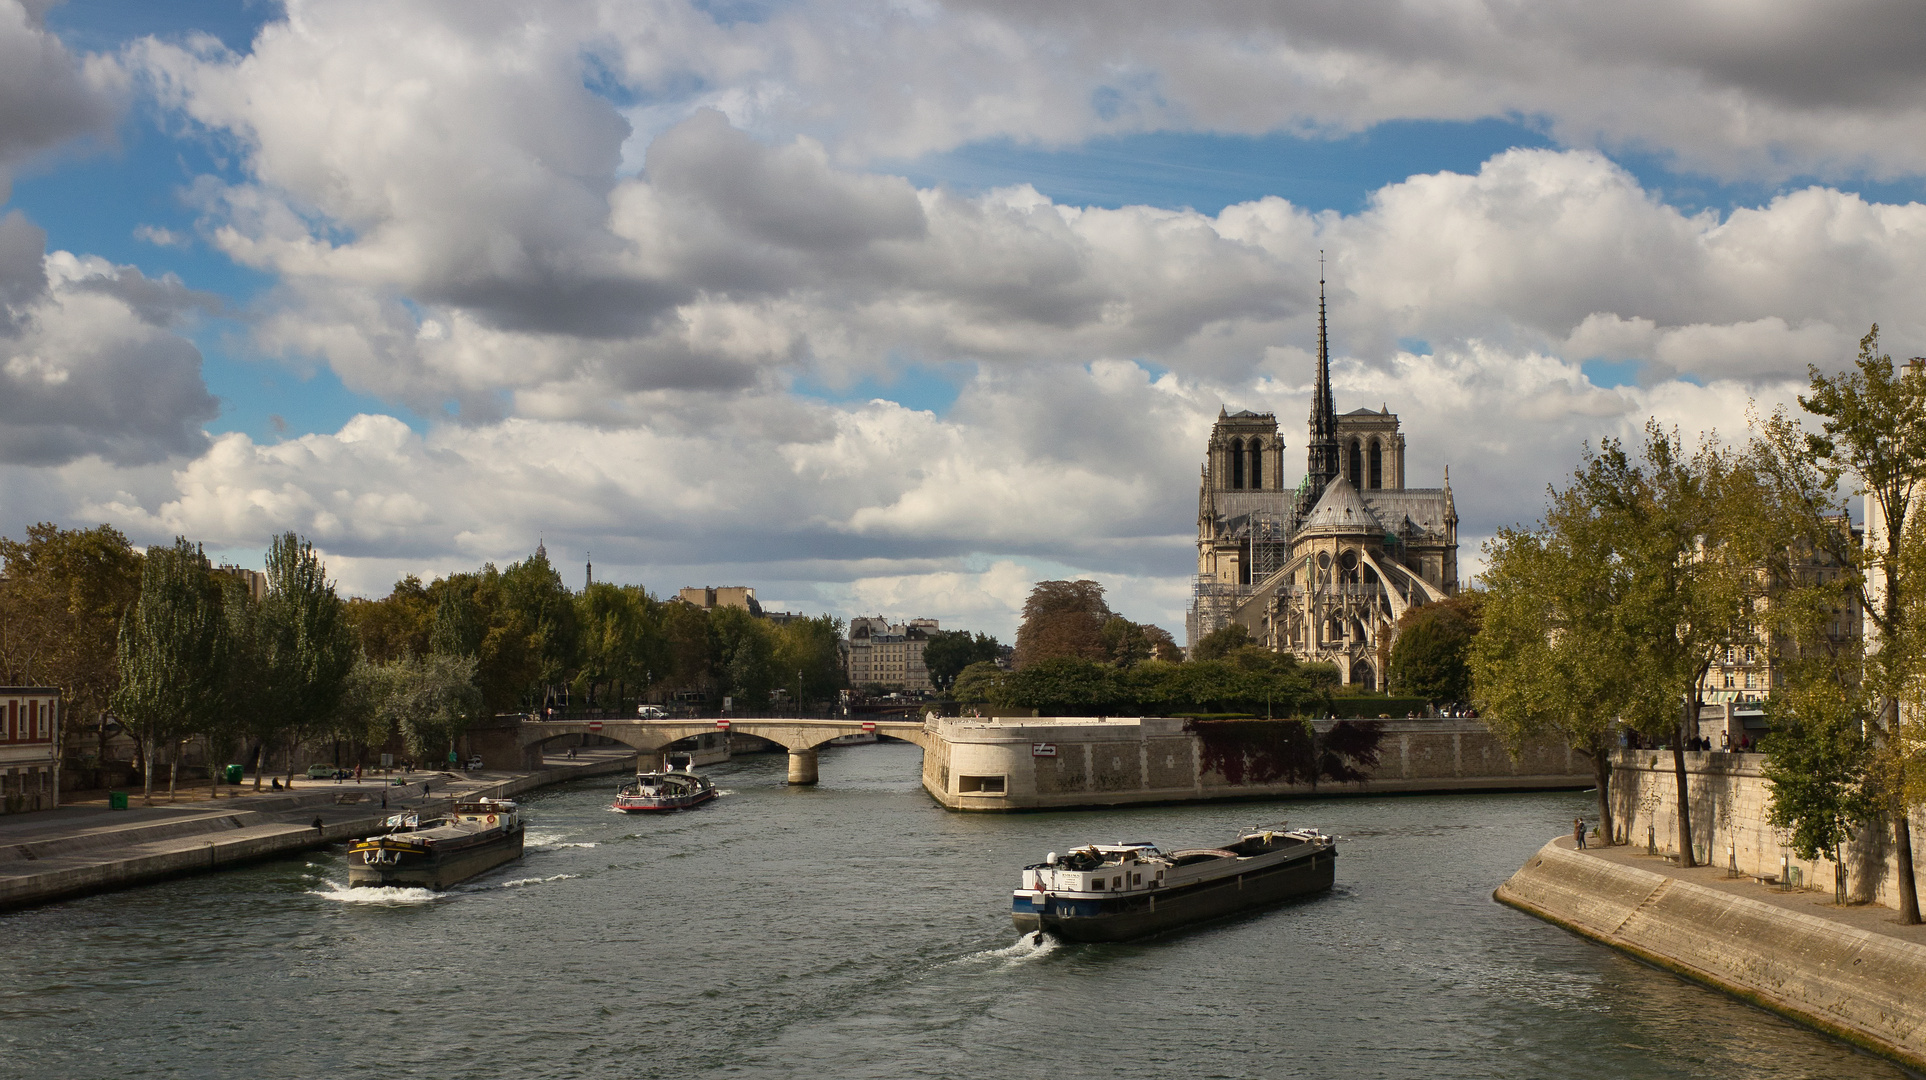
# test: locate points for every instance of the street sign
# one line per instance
(595, 725)
(869, 725)
(1043, 749)
(722, 724)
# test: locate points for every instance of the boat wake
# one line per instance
(549, 841)
(386, 896)
(519, 882)
(1030, 947)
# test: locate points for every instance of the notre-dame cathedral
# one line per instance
(1324, 568)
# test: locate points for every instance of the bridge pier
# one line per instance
(802, 766)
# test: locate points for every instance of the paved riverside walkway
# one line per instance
(87, 848)
(1872, 918)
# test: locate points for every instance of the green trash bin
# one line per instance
(117, 800)
(233, 774)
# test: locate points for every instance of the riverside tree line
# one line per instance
(1656, 558)
(179, 652)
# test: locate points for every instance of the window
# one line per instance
(1116, 882)
(1257, 464)
(1354, 470)
(1377, 464)
(1237, 463)
(1728, 680)
(980, 785)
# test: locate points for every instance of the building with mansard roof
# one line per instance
(1322, 568)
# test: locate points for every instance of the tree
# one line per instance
(1546, 660)
(979, 684)
(1062, 618)
(306, 646)
(1430, 655)
(1221, 642)
(1681, 575)
(1129, 643)
(810, 647)
(620, 638)
(1816, 768)
(535, 600)
(171, 652)
(65, 592)
(395, 626)
(745, 655)
(1872, 431)
(429, 700)
(948, 652)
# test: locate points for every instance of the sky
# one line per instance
(899, 307)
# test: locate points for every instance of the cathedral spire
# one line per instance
(1321, 465)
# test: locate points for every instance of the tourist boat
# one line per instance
(654, 791)
(1112, 892)
(437, 852)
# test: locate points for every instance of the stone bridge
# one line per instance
(800, 737)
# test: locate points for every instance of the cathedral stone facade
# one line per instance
(1323, 568)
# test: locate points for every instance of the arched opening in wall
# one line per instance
(1377, 464)
(1237, 464)
(1357, 632)
(1244, 563)
(1362, 674)
(1349, 563)
(1333, 632)
(1354, 465)
(1257, 464)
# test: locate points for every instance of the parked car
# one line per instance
(327, 772)
(475, 762)
(651, 712)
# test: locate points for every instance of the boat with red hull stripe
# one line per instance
(656, 792)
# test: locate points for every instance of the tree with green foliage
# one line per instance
(536, 603)
(979, 684)
(1430, 652)
(1681, 575)
(810, 648)
(1546, 660)
(428, 700)
(1817, 770)
(171, 653)
(1221, 642)
(306, 646)
(65, 592)
(1872, 421)
(397, 625)
(745, 657)
(621, 640)
(948, 652)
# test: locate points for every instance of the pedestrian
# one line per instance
(1578, 832)
(318, 825)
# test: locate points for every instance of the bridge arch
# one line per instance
(801, 738)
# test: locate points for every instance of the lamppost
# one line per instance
(799, 694)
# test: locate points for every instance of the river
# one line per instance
(855, 929)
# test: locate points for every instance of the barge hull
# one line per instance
(1140, 915)
(442, 871)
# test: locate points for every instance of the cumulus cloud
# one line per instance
(88, 364)
(47, 95)
(597, 245)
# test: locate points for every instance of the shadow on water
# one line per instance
(858, 930)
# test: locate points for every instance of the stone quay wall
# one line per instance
(1034, 763)
(1728, 799)
(1863, 987)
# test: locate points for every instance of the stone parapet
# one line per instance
(1066, 762)
(1729, 802)
(1867, 988)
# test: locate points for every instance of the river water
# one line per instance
(858, 930)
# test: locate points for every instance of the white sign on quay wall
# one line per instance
(1043, 749)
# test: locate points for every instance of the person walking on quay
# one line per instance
(1578, 832)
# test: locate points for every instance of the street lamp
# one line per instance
(799, 694)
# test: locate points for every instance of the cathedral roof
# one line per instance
(1341, 510)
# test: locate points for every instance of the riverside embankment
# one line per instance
(78, 850)
(1853, 972)
(1041, 763)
